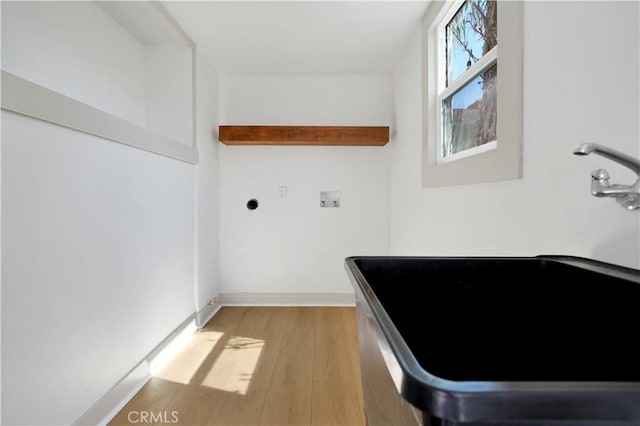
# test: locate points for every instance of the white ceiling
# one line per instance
(300, 36)
(144, 21)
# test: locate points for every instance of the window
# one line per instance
(473, 120)
(467, 88)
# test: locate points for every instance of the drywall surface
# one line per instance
(76, 49)
(98, 264)
(99, 242)
(289, 244)
(207, 184)
(168, 92)
(580, 85)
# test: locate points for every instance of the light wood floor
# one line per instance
(260, 366)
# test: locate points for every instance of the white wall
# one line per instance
(98, 264)
(207, 184)
(292, 245)
(168, 92)
(99, 246)
(76, 49)
(580, 84)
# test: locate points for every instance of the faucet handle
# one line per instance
(600, 187)
(602, 176)
(628, 196)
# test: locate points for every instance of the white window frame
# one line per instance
(486, 61)
(493, 161)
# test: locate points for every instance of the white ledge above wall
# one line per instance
(33, 100)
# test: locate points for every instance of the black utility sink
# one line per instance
(494, 340)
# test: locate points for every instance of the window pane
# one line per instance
(469, 115)
(470, 34)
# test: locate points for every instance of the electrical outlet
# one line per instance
(213, 301)
(282, 191)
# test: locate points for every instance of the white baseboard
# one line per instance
(204, 315)
(110, 404)
(287, 299)
(189, 322)
(117, 397)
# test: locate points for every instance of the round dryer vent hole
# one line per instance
(252, 204)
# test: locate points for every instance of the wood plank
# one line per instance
(153, 397)
(287, 405)
(193, 405)
(234, 409)
(331, 348)
(337, 393)
(294, 363)
(185, 365)
(235, 366)
(350, 323)
(303, 317)
(269, 366)
(289, 397)
(336, 403)
(304, 135)
(228, 317)
(227, 321)
(265, 326)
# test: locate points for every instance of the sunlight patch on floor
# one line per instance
(169, 352)
(185, 358)
(235, 366)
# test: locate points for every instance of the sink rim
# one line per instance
(468, 400)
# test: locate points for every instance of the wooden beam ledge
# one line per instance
(305, 135)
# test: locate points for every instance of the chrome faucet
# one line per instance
(628, 196)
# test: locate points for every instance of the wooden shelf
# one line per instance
(305, 135)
